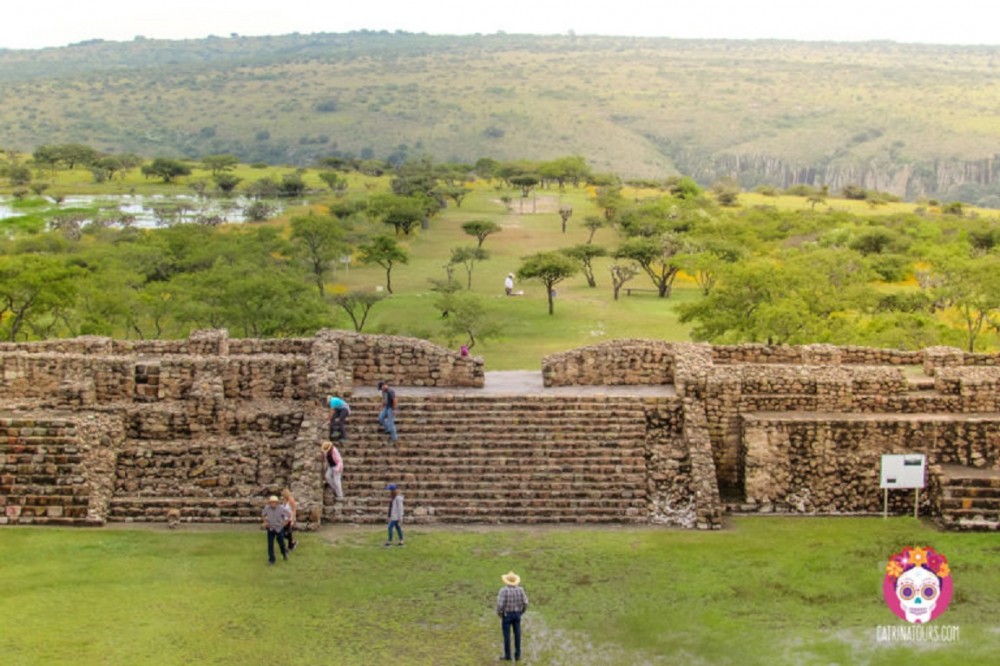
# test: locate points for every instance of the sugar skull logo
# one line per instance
(917, 585)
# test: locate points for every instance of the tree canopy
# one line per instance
(549, 268)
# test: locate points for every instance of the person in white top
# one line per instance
(288, 502)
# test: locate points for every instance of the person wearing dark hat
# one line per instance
(508, 284)
(395, 513)
(511, 604)
(387, 417)
(275, 517)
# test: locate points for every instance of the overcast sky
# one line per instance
(41, 23)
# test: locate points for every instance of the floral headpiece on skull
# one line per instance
(917, 586)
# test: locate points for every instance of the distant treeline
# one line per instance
(879, 115)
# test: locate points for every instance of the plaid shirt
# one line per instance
(511, 599)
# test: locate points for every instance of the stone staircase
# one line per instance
(42, 473)
(501, 459)
(969, 498)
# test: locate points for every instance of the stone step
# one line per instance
(536, 441)
(568, 422)
(472, 400)
(954, 491)
(462, 506)
(949, 481)
(513, 487)
(50, 513)
(20, 422)
(485, 514)
(564, 425)
(40, 463)
(486, 470)
(495, 464)
(42, 485)
(155, 508)
(579, 483)
(956, 514)
(20, 443)
(976, 524)
(360, 453)
(28, 499)
(981, 503)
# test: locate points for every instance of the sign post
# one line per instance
(903, 471)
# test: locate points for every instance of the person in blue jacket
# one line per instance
(339, 411)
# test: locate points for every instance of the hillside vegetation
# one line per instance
(400, 253)
(908, 119)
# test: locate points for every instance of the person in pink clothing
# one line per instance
(334, 468)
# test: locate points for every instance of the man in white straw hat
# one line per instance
(275, 516)
(511, 603)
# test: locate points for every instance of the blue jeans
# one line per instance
(508, 622)
(271, 536)
(399, 530)
(387, 417)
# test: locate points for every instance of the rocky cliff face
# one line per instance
(976, 181)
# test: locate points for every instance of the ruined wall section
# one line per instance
(669, 483)
(830, 464)
(407, 362)
(820, 410)
(618, 362)
(207, 426)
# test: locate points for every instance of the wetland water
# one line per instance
(145, 211)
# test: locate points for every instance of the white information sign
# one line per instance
(903, 471)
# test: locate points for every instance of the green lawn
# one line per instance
(583, 315)
(763, 591)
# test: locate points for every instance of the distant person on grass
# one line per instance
(508, 286)
(339, 411)
(288, 502)
(275, 517)
(511, 604)
(387, 417)
(395, 513)
(334, 468)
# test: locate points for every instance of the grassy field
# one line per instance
(762, 591)
(583, 315)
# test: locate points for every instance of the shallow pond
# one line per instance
(147, 211)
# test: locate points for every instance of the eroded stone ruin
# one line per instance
(628, 431)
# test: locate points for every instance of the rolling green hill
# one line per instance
(915, 120)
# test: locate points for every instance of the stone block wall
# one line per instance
(831, 464)
(818, 354)
(208, 426)
(407, 362)
(618, 362)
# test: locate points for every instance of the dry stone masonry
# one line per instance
(96, 430)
